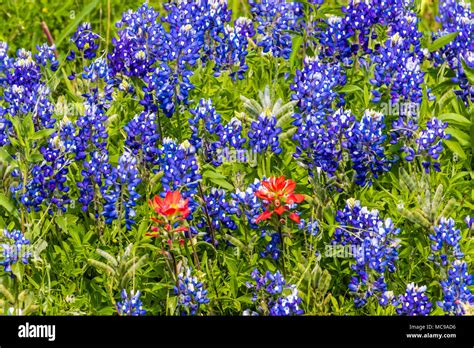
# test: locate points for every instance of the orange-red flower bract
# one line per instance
(278, 196)
(173, 205)
(172, 209)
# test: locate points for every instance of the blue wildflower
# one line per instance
(191, 293)
(131, 305)
(414, 302)
(13, 247)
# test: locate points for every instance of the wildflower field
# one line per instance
(214, 157)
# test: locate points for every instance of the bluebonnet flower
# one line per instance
(48, 182)
(334, 39)
(275, 18)
(5, 126)
(101, 91)
(470, 222)
(24, 92)
(311, 226)
(429, 145)
(272, 248)
(180, 167)
(360, 17)
(319, 140)
(122, 190)
(86, 41)
(264, 134)
(456, 292)
(270, 292)
(170, 82)
(3, 55)
(397, 68)
(457, 16)
(131, 305)
(210, 135)
(403, 129)
(446, 241)
(13, 246)
(46, 57)
(314, 85)
(365, 142)
(377, 248)
(91, 131)
(96, 169)
(249, 203)
(140, 42)
(142, 137)
(191, 293)
(91, 150)
(220, 211)
(414, 302)
(98, 69)
(231, 53)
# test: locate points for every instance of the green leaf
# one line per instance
(7, 203)
(17, 270)
(5, 156)
(79, 18)
(457, 119)
(351, 89)
(468, 71)
(222, 183)
(442, 41)
(66, 221)
(463, 138)
(44, 133)
(297, 41)
(454, 146)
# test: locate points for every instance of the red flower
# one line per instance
(172, 209)
(171, 205)
(278, 195)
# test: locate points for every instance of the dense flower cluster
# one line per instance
(270, 293)
(86, 42)
(218, 213)
(398, 62)
(24, 92)
(264, 134)
(130, 305)
(457, 17)
(211, 136)
(180, 167)
(249, 203)
(414, 302)
(13, 246)
(275, 18)
(314, 85)
(320, 142)
(48, 182)
(456, 289)
(376, 245)
(191, 293)
(447, 255)
(429, 143)
(142, 138)
(365, 142)
(446, 241)
(139, 44)
(121, 195)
